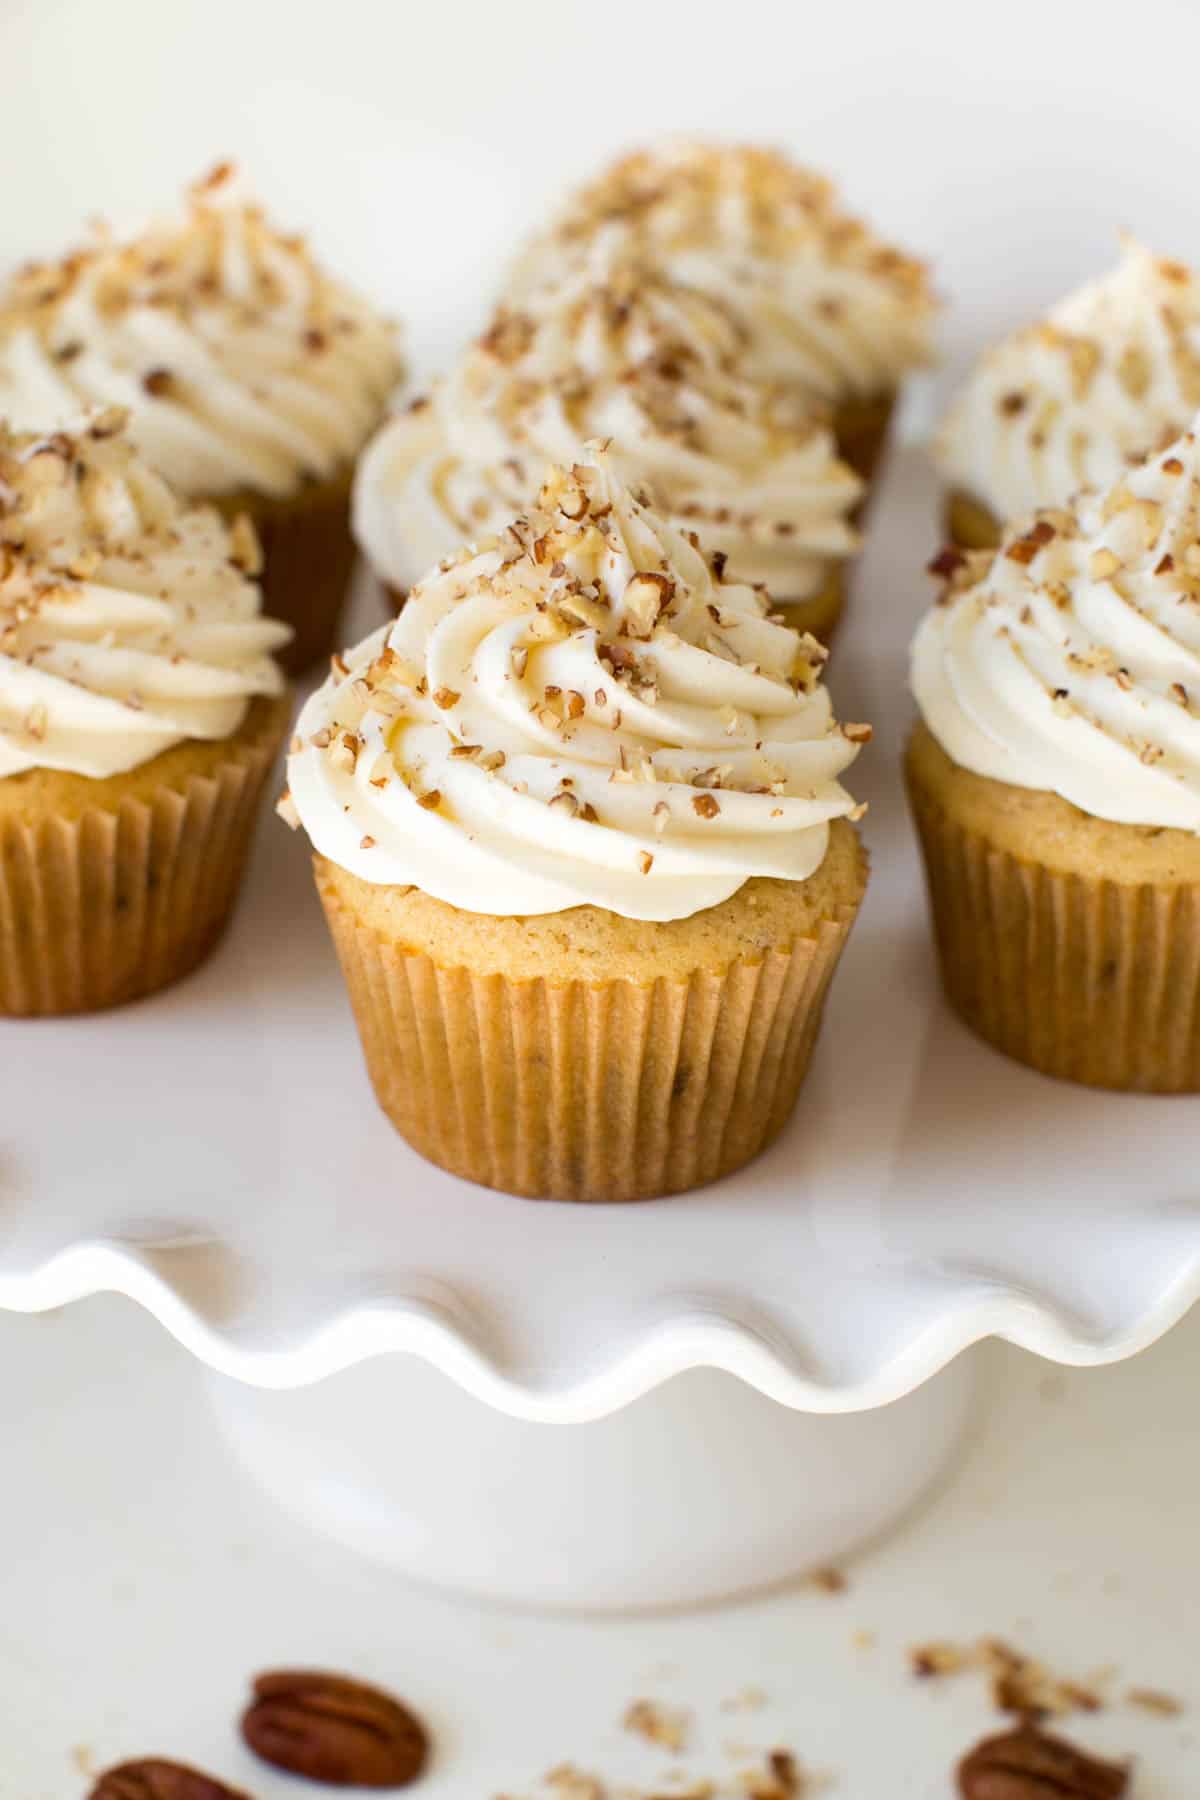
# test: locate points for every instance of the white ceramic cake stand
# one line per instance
(566, 1427)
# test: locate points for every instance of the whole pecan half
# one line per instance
(153, 1778)
(333, 1729)
(1031, 1765)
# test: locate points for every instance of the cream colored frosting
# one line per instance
(1070, 662)
(1113, 371)
(826, 304)
(580, 711)
(650, 366)
(128, 622)
(243, 365)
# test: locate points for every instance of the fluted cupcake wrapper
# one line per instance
(112, 905)
(1091, 980)
(861, 427)
(580, 1091)
(308, 562)
(968, 522)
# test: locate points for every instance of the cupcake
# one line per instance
(584, 853)
(1111, 374)
(253, 380)
(827, 308)
(1055, 781)
(653, 367)
(140, 711)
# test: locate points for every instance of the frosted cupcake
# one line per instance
(1111, 374)
(253, 380)
(1055, 779)
(140, 711)
(827, 307)
(654, 368)
(584, 853)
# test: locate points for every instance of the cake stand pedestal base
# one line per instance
(700, 1490)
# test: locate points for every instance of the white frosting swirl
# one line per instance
(826, 305)
(651, 366)
(579, 712)
(1071, 662)
(242, 364)
(127, 622)
(1113, 371)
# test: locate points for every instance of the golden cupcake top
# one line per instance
(242, 362)
(1110, 373)
(828, 304)
(1069, 660)
(129, 621)
(581, 711)
(652, 366)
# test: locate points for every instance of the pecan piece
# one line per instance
(333, 1729)
(153, 1778)
(947, 562)
(1031, 1765)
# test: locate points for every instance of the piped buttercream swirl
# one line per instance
(128, 622)
(1112, 372)
(580, 711)
(243, 365)
(1069, 661)
(651, 366)
(826, 305)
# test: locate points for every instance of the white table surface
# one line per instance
(145, 1581)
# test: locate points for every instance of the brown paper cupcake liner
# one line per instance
(110, 905)
(861, 427)
(969, 524)
(1087, 979)
(308, 562)
(578, 1091)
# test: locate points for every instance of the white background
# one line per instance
(416, 143)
